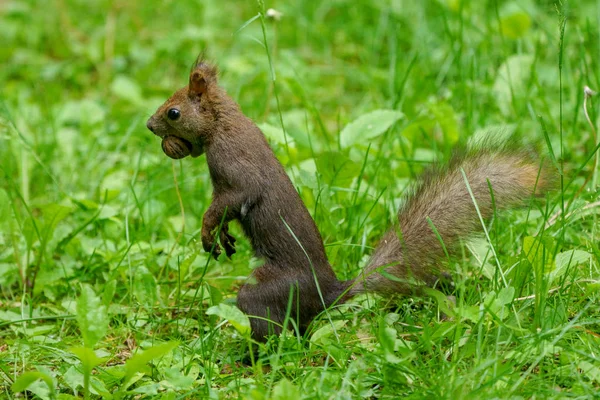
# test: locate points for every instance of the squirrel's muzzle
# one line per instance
(149, 125)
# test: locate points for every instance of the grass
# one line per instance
(104, 288)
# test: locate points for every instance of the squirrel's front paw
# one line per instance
(228, 242)
(210, 245)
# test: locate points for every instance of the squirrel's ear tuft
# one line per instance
(202, 75)
(198, 84)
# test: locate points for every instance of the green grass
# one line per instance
(95, 253)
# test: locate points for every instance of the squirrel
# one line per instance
(251, 186)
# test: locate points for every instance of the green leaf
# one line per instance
(274, 133)
(26, 379)
(110, 288)
(184, 266)
(5, 211)
(568, 259)
(92, 317)
(444, 303)
(337, 169)
(572, 258)
(387, 336)
(144, 287)
(447, 120)
(438, 119)
(74, 378)
(66, 396)
(86, 111)
(368, 126)
(10, 316)
(471, 313)
(589, 370)
(512, 79)
(149, 389)
(138, 362)
(245, 24)
(127, 89)
(53, 214)
(506, 295)
(176, 379)
(453, 5)
(514, 22)
(115, 181)
(326, 334)
(538, 251)
(285, 389)
(234, 315)
(88, 358)
(497, 303)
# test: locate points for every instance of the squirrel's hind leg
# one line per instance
(265, 312)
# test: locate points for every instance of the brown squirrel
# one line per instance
(251, 186)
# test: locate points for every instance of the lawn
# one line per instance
(105, 291)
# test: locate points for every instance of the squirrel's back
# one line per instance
(443, 207)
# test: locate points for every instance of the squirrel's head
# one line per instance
(189, 114)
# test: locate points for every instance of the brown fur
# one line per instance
(413, 250)
(250, 183)
(251, 186)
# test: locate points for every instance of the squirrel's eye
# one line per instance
(173, 114)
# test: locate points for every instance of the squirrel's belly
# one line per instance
(275, 238)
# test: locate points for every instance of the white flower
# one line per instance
(273, 13)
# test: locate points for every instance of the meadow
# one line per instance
(105, 291)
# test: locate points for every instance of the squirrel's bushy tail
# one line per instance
(440, 210)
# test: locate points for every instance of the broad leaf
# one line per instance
(368, 126)
(144, 287)
(514, 22)
(26, 379)
(337, 169)
(274, 133)
(326, 334)
(285, 389)
(127, 89)
(91, 317)
(88, 358)
(237, 318)
(538, 251)
(568, 260)
(5, 211)
(512, 79)
(138, 362)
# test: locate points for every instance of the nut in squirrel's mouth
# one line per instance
(176, 147)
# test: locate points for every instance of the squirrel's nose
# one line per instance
(149, 125)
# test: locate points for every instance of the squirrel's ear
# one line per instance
(197, 84)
